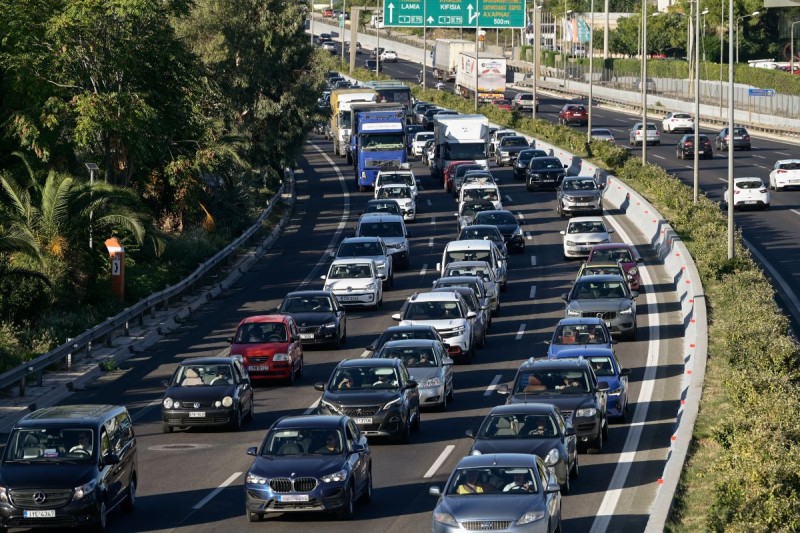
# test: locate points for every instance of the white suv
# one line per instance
(368, 248)
(401, 176)
(355, 281)
(389, 56)
(392, 230)
(448, 313)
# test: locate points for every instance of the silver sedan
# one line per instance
(428, 364)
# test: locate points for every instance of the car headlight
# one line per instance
(445, 518)
(176, 404)
(432, 382)
(532, 516)
(339, 476)
(393, 402)
(227, 401)
(572, 312)
(4, 495)
(168, 403)
(627, 311)
(280, 357)
(570, 243)
(586, 412)
(253, 479)
(459, 330)
(327, 288)
(382, 264)
(84, 490)
(568, 198)
(330, 324)
(370, 286)
(475, 452)
(518, 232)
(615, 392)
(633, 271)
(552, 457)
(329, 406)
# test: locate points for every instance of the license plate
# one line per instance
(737, 138)
(347, 298)
(39, 514)
(548, 179)
(363, 421)
(608, 324)
(305, 336)
(750, 202)
(293, 497)
(258, 368)
(197, 414)
(582, 204)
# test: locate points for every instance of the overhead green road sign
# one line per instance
(454, 13)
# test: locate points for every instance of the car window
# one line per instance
(306, 304)
(517, 426)
(552, 381)
(433, 311)
(380, 229)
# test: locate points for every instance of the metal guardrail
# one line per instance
(136, 312)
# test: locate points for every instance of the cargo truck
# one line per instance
(355, 110)
(446, 55)
(459, 138)
(341, 100)
(379, 144)
(491, 76)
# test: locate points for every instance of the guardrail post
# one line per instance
(22, 387)
(126, 330)
(68, 358)
(108, 337)
(89, 349)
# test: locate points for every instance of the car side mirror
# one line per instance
(252, 451)
(446, 361)
(245, 381)
(562, 232)
(110, 459)
(324, 276)
(319, 386)
(438, 266)
(230, 340)
(469, 433)
(471, 314)
(485, 307)
(566, 166)
(396, 316)
(624, 371)
(381, 276)
(565, 296)
(639, 260)
(164, 383)
(411, 384)
(602, 386)
(634, 294)
(610, 230)
(359, 448)
(371, 347)
(547, 343)
(502, 389)
(552, 488)
(569, 432)
(435, 491)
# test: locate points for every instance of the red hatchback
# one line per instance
(573, 114)
(270, 348)
(502, 103)
(449, 170)
(625, 255)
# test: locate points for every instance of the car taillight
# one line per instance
(737, 192)
(689, 143)
(746, 137)
(762, 191)
(726, 137)
(782, 172)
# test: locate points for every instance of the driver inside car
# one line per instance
(84, 444)
(521, 483)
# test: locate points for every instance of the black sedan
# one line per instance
(309, 463)
(377, 393)
(388, 207)
(507, 223)
(319, 316)
(207, 391)
(544, 172)
(524, 159)
(397, 333)
(685, 147)
(537, 428)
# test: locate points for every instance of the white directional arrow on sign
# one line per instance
(471, 16)
(430, 20)
(391, 13)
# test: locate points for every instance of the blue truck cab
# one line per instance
(379, 143)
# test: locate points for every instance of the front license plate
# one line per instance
(608, 324)
(306, 336)
(39, 514)
(363, 421)
(259, 368)
(293, 497)
(197, 414)
(347, 298)
(582, 204)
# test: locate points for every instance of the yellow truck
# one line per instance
(341, 100)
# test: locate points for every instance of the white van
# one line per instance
(476, 250)
(481, 190)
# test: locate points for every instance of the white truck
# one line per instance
(445, 57)
(340, 127)
(459, 138)
(490, 80)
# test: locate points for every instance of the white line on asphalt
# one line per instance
(618, 481)
(689, 167)
(424, 269)
(533, 260)
(759, 156)
(520, 332)
(141, 412)
(216, 491)
(782, 153)
(795, 211)
(762, 166)
(723, 180)
(521, 215)
(316, 402)
(428, 202)
(621, 120)
(659, 156)
(493, 385)
(430, 242)
(441, 459)
(508, 199)
(533, 292)
(433, 220)
(528, 235)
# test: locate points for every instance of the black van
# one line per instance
(68, 466)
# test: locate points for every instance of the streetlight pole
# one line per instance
(424, 39)
(791, 48)
(643, 82)
(378, 38)
(564, 42)
(537, 40)
(91, 167)
(344, 27)
(477, 54)
(697, 101)
(730, 129)
(753, 14)
(591, 71)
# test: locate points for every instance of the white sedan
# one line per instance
(785, 173)
(355, 282)
(675, 121)
(748, 192)
(582, 233)
(418, 144)
(401, 194)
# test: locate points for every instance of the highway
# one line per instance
(192, 480)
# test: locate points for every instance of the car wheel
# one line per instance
(251, 413)
(597, 444)
(166, 428)
(443, 405)
(129, 503)
(299, 370)
(254, 517)
(605, 428)
(575, 473)
(417, 421)
(404, 437)
(566, 486)
(344, 333)
(236, 423)
(349, 510)
(367, 496)
(290, 381)
(482, 344)
(632, 334)
(102, 518)
(452, 394)
(623, 418)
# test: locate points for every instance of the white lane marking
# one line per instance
(520, 332)
(430, 242)
(424, 269)
(533, 260)
(723, 180)
(433, 220)
(659, 156)
(216, 491)
(533, 292)
(428, 202)
(762, 166)
(759, 156)
(621, 120)
(508, 199)
(316, 402)
(626, 459)
(528, 235)
(782, 153)
(441, 459)
(689, 167)
(150, 406)
(521, 215)
(493, 385)
(795, 211)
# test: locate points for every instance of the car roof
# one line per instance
(263, 319)
(469, 244)
(586, 219)
(352, 261)
(206, 361)
(496, 211)
(362, 239)
(554, 364)
(469, 263)
(309, 421)
(460, 279)
(783, 161)
(444, 296)
(308, 293)
(574, 321)
(746, 178)
(602, 278)
(523, 408)
(70, 414)
(481, 226)
(370, 362)
(526, 460)
(614, 246)
(380, 217)
(574, 353)
(400, 343)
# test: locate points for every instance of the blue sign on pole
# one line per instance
(761, 92)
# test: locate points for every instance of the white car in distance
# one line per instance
(418, 144)
(676, 121)
(785, 173)
(748, 192)
(403, 176)
(355, 282)
(582, 233)
(402, 195)
(602, 134)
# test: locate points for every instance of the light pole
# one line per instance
(730, 128)
(753, 14)
(424, 39)
(591, 71)
(791, 48)
(697, 100)
(343, 22)
(537, 40)
(643, 81)
(564, 43)
(477, 52)
(91, 167)
(378, 45)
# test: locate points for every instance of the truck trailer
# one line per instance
(341, 100)
(490, 78)
(446, 55)
(459, 138)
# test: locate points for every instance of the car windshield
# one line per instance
(303, 441)
(602, 133)
(363, 378)
(586, 227)
(552, 381)
(432, 311)
(546, 164)
(460, 170)
(468, 255)
(576, 109)
(373, 142)
(495, 480)
(443, 283)
(749, 184)
(597, 290)
(517, 426)
(50, 445)
(394, 192)
(458, 270)
(399, 179)
(423, 136)
(513, 141)
(404, 334)
(495, 219)
(260, 332)
(458, 151)
(359, 249)
(306, 304)
(580, 334)
(579, 185)
(390, 207)
(527, 155)
(412, 357)
(197, 375)
(470, 233)
(603, 367)
(613, 255)
(360, 271)
(490, 194)
(471, 208)
(591, 270)
(380, 229)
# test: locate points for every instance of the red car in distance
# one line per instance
(573, 114)
(270, 348)
(624, 254)
(502, 103)
(447, 174)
